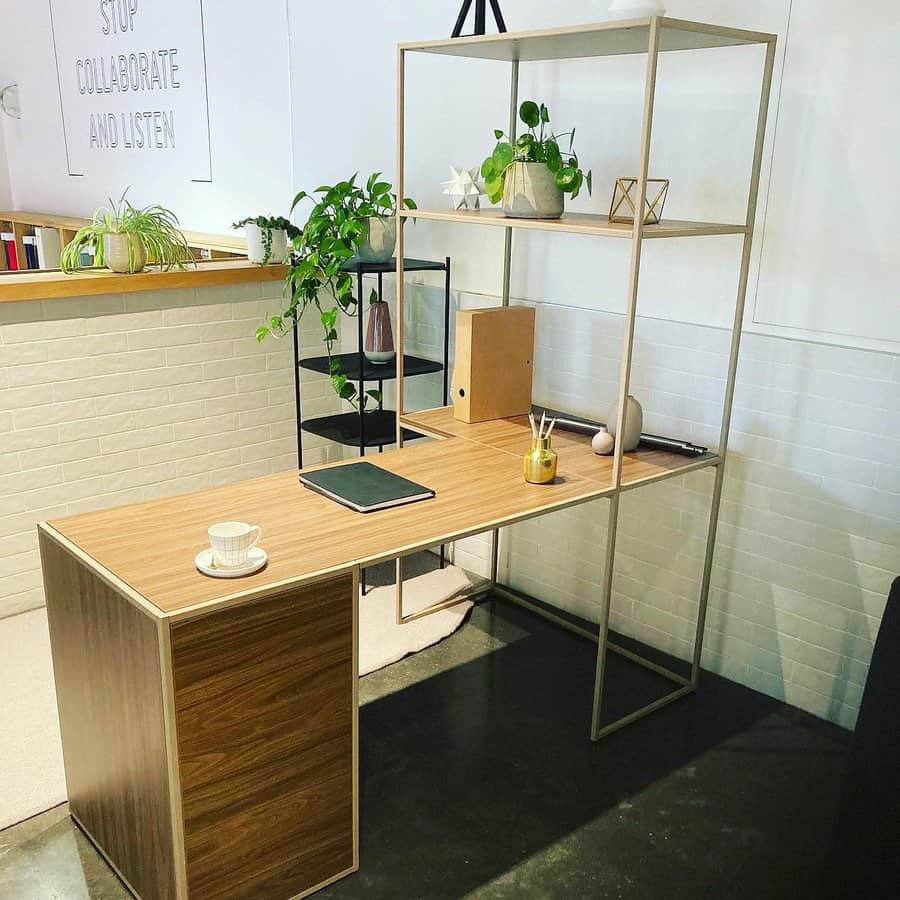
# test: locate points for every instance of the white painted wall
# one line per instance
(249, 95)
(5, 189)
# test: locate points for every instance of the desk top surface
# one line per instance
(476, 475)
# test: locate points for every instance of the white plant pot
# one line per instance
(530, 192)
(379, 243)
(124, 253)
(635, 9)
(256, 247)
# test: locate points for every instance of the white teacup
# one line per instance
(232, 542)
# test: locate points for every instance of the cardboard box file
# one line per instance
(494, 353)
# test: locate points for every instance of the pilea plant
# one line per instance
(331, 237)
(268, 224)
(538, 144)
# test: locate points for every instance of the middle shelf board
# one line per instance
(343, 428)
(362, 267)
(576, 223)
(349, 363)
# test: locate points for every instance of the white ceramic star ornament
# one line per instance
(463, 188)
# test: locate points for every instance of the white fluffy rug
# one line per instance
(31, 768)
(382, 641)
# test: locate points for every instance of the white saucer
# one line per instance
(205, 562)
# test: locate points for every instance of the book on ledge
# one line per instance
(364, 487)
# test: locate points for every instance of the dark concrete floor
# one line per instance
(478, 780)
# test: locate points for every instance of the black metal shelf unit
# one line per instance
(376, 428)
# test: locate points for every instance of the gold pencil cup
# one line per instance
(540, 462)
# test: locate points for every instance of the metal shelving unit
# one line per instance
(376, 428)
(650, 36)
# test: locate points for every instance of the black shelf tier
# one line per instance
(349, 362)
(343, 428)
(361, 267)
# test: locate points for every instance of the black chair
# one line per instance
(864, 863)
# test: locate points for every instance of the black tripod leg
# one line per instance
(498, 16)
(480, 16)
(461, 18)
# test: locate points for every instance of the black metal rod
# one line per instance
(297, 394)
(480, 17)
(361, 363)
(498, 16)
(461, 18)
(447, 332)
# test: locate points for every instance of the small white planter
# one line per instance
(380, 240)
(256, 245)
(635, 9)
(124, 253)
(530, 192)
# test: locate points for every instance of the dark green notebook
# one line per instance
(364, 487)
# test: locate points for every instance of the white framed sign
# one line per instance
(133, 85)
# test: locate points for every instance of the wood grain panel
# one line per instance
(106, 666)
(266, 721)
(307, 535)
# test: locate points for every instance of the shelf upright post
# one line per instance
(360, 361)
(625, 376)
(401, 134)
(507, 270)
(297, 392)
(736, 328)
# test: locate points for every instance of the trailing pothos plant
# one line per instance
(538, 144)
(316, 279)
(268, 224)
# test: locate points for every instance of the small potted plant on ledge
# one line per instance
(339, 228)
(267, 238)
(124, 238)
(532, 175)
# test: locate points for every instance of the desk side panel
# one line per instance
(106, 666)
(266, 721)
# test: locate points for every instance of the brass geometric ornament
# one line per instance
(657, 190)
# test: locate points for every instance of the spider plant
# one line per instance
(152, 233)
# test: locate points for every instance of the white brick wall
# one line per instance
(809, 536)
(122, 398)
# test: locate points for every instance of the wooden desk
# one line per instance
(210, 726)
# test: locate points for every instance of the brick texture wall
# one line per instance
(809, 536)
(120, 398)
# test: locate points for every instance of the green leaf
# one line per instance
(372, 179)
(409, 203)
(530, 113)
(383, 187)
(590, 183)
(566, 178)
(487, 168)
(545, 113)
(498, 133)
(503, 155)
(262, 333)
(493, 186)
(553, 156)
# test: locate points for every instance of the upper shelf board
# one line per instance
(601, 39)
(576, 223)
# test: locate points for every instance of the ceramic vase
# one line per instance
(256, 245)
(379, 243)
(379, 345)
(530, 192)
(634, 423)
(635, 9)
(124, 253)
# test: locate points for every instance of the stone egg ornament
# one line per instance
(603, 443)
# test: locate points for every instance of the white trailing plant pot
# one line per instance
(530, 192)
(635, 9)
(379, 243)
(124, 253)
(256, 245)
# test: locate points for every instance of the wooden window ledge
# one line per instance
(54, 285)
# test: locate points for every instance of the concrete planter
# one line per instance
(124, 253)
(380, 240)
(256, 245)
(530, 192)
